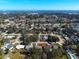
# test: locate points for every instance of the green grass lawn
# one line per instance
(15, 55)
(1, 56)
(64, 57)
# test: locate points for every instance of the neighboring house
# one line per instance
(45, 37)
(8, 37)
(20, 46)
(7, 46)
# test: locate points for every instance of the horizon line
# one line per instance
(37, 9)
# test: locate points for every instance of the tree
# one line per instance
(77, 51)
(52, 39)
(36, 53)
(6, 51)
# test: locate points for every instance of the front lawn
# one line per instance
(16, 55)
(64, 57)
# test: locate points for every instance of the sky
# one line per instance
(39, 4)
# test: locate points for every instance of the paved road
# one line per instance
(71, 56)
